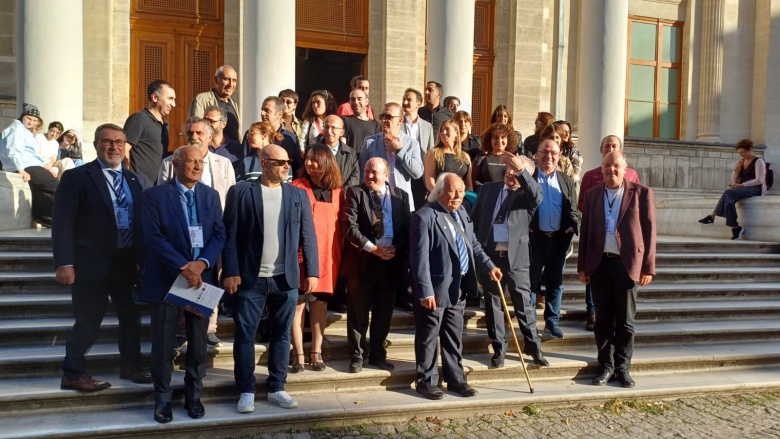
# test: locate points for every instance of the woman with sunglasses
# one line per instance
(323, 183)
(70, 148)
(321, 105)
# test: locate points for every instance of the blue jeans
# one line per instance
(274, 293)
(590, 306)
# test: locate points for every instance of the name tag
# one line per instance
(501, 232)
(610, 225)
(122, 217)
(196, 236)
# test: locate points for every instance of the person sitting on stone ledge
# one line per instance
(748, 180)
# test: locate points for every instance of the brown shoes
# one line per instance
(85, 383)
(137, 376)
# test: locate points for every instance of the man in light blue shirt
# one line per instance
(19, 153)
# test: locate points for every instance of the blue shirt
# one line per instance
(551, 209)
(18, 148)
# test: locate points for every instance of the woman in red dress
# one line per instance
(322, 181)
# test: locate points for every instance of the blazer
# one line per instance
(433, 256)
(244, 227)
(522, 205)
(356, 226)
(167, 238)
(207, 99)
(347, 161)
(593, 177)
(84, 232)
(635, 231)
(570, 216)
(425, 130)
(222, 173)
(408, 161)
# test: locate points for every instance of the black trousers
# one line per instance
(89, 307)
(42, 187)
(165, 317)
(518, 284)
(615, 296)
(375, 292)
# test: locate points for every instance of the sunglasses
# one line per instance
(387, 116)
(279, 162)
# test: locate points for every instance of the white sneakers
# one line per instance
(283, 399)
(246, 404)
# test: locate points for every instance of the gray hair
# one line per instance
(195, 119)
(178, 155)
(278, 102)
(221, 69)
(211, 108)
(439, 188)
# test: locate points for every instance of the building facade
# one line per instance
(681, 80)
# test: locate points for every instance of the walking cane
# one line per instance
(514, 336)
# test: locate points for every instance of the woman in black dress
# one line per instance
(447, 156)
(497, 140)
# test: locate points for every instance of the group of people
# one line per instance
(280, 217)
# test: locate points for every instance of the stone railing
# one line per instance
(15, 202)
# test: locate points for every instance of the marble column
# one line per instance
(602, 75)
(268, 53)
(50, 60)
(710, 70)
(451, 47)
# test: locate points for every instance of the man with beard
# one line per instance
(147, 132)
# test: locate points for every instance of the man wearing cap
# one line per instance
(19, 153)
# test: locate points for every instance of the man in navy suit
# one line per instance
(184, 235)
(375, 224)
(266, 223)
(96, 239)
(444, 255)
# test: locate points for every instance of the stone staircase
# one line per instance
(708, 323)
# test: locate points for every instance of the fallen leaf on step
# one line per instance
(509, 414)
(359, 402)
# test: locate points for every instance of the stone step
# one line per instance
(37, 360)
(38, 407)
(26, 261)
(678, 244)
(10, 243)
(24, 282)
(700, 274)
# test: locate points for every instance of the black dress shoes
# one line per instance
(539, 359)
(497, 361)
(356, 365)
(162, 413)
(624, 378)
(382, 364)
(195, 409)
(135, 375)
(434, 393)
(463, 389)
(603, 378)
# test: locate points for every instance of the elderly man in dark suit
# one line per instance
(346, 157)
(184, 235)
(502, 215)
(616, 257)
(96, 239)
(267, 222)
(444, 255)
(376, 226)
(552, 229)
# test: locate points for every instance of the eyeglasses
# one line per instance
(110, 142)
(288, 101)
(384, 116)
(279, 162)
(194, 161)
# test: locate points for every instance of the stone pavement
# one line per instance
(746, 416)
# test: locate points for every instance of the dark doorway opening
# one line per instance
(317, 69)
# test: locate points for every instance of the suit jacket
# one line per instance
(522, 205)
(356, 225)
(635, 231)
(408, 161)
(244, 226)
(425, 130)
(207, 99)
(436, 117)
(347, 161)
(570, 216)
(84, 232)
(433, 256)
(167, 238)
(222, 173)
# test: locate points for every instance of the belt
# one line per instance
(611, 255)
(500, 253)
(548, 234)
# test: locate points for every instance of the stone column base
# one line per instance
(15, 202)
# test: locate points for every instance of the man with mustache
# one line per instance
(225, 82)
(444, 256)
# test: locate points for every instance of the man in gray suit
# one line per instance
(401, 151)
(502, 215)
(444, 255)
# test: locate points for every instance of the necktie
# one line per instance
(192, 217)
(125, 235)
(463, 254)
(379, 215)
(502, 211)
